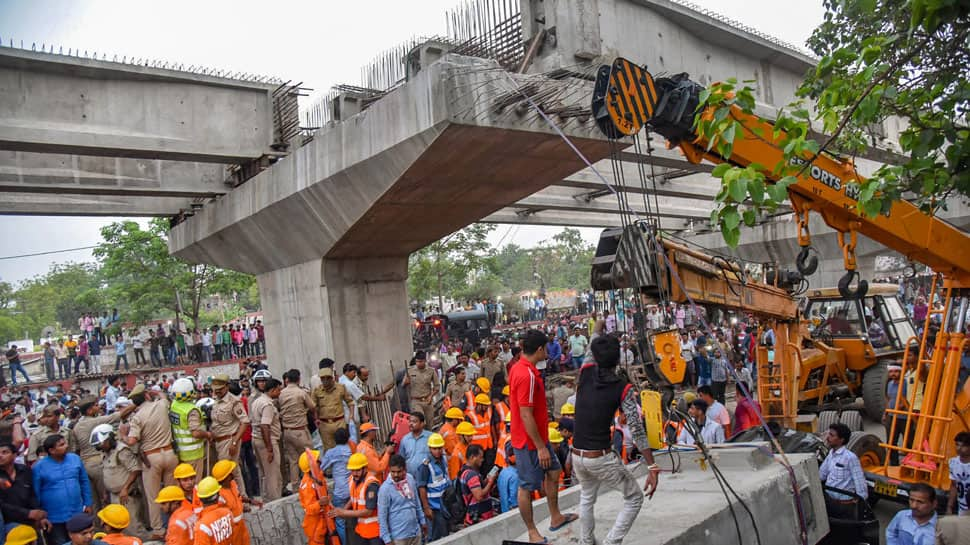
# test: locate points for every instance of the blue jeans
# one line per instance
(14, 367)
(704, 381)
(577, 362)
(118, 359)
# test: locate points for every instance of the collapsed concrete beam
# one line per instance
(83, 175)
(71, 105)
(53, 204)
(557, 198)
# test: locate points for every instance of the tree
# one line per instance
(444, 266)
(140, 272)
(878, 59)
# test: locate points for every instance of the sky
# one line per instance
(321, 43)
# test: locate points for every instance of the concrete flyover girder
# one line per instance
(70, 105)
(85, 175)
(524, 216)
(55, 204)
(567, 199)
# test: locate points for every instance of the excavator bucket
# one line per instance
(624, 98)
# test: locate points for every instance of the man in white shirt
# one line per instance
(841, 469)
(505, 355)
(577, 347)
(710, 431)
(626, 355)
(716, 411)
(206, 345)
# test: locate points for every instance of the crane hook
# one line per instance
(861, 288)
(807, 263)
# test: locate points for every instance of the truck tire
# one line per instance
(874, 390)
(826, 419)
(853, 419)
(866, 447)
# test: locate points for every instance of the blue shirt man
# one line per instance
(335, 460)
(414, 446)
(399, 509)
(61, 482)
(916, 525)
(508, 485)
(554, 351)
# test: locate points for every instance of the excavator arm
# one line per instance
(627, 98)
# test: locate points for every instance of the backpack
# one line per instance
(453, 502)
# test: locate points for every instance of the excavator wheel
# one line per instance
(853, 419)
(826, 419)
(866, 447)
(874, 390)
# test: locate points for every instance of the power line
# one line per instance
(49, 253)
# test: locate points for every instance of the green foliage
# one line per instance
(57, 298)
(878, 58)
(561, 262)
(444, 267)
(140, 272)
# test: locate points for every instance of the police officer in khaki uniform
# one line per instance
(295, 404)
(228, 423)
(90, 418)
(151, 429)
(329, 399)
(50, 420)
(121, 469)
(423, 383)
(266, 439)
(455, 392)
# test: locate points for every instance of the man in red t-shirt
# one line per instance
(538, 467)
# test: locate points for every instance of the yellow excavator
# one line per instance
(627, 98)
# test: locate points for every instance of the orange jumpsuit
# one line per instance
(233, 501)
(181, 525)
(376, 465)
(215, 526)
(120, 539)
(456, 459)
(313, 524)
(447, 433)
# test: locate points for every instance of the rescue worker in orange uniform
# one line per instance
(375, 464)
(456, 458)
(480, 417)
(215, 526)
(314, 526)
(185, 477)
(115, 519)
(481, 386)
(501, 456)
(500, 406)
(222, 472)
(362, 506)
(181, 515)
(453, 417)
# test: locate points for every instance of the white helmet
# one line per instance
(100, 433)
(205, 403)
(262, 374)
(182, 389)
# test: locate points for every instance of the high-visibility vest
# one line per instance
(120, 539)
(214, 526)
(483, 428)
(500, 459)
(469, 401)
(438, 483)
(232, 499)
(502, 408)
(189, 448)
(456, 460)
(375, 464)
(448, 434)
(367, 527)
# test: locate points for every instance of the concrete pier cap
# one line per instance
(328, 230)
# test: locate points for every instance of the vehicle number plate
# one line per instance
(885, 489)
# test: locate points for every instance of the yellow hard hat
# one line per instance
(21, 535)
(454, 413)
(115, 515)
(567, 408)
(555, 436)
(170, 493)
(222, 469)
(482, 399)
(483, 384)
(184, 471)
(553, 425)
(305, 462)
(208, 487)
(465, 428)
(689, 397)
(100, 535)
(505, 390)
(356, 461)
(436, 441)
(508, 416)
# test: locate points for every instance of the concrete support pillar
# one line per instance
(351, 310)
